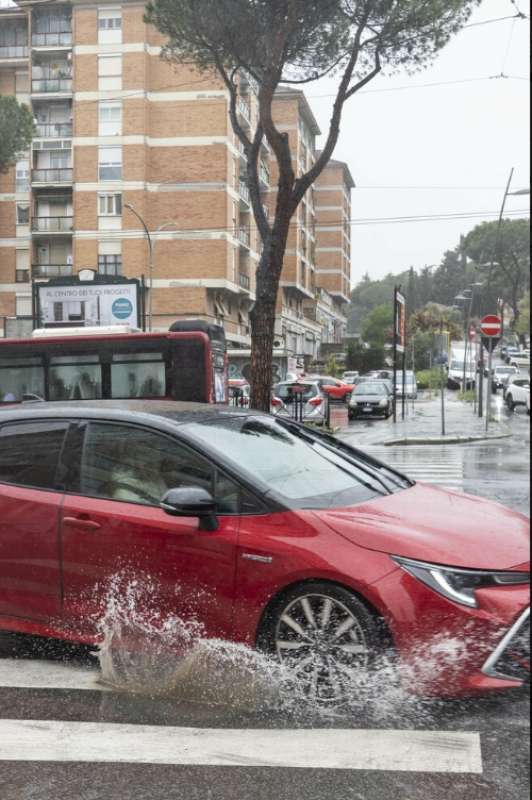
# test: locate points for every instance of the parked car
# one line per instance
(371, 398)
(500, 373)
(239, 392)
(520, 359)
(518, 393)
(350, 376)
(334, 388)
(511, 352)
(511, 379)
(270, 535)
(303, 400)
(410, 385)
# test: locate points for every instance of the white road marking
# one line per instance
(37, 674)
(438, 465)
(386, 750)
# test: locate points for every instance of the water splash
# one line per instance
(144, 651)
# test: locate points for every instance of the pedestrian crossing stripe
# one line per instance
(441, 466)
(347, 749)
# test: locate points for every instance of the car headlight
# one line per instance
(459, 585)
(383, 403)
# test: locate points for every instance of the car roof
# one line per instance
(123, 411)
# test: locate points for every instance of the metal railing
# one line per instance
(58, 175)
(14, 51)
(52, 224)
(51, 270)
(50, 85)
(264, 174)
(59, 39)
(244, 280)
(50, 130)
(244, 109)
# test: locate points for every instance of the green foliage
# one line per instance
(368, 294)
(364, 359)
(468, 396)
(17, 128)
(434, 317)
(429, 378)
(378, 327)
(523, 323)
(332, 367)
(420, 347)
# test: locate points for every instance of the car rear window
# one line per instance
(30, 452)
(287, 392)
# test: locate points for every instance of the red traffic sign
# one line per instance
(491, 326)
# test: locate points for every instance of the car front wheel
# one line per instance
(510, 402)
(326, 638)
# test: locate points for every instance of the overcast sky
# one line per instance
(461, 135)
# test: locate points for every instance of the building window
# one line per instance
(110, 163)
(23, 214)
(23, 305)
(110, 264)
(109, 73)
(109, 26)
(22, 176)
(109, 205)
(22, 275)
(110, 119)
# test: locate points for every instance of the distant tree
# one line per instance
(378, 327)
(369, 294)
(17, 128)
(364, 359)
(431, 317)
(523, 323)
(411, 292)
(509, 249)
(295, 42)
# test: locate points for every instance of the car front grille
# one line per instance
(511, 658)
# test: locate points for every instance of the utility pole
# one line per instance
(150, 267)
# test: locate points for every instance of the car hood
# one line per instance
(431, 524)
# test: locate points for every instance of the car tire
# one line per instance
(510, 402)
(319, 610)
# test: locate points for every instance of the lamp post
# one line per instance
(150, 266)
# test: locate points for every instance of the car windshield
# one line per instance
(294, 466)
(371, 388)
(505, 370)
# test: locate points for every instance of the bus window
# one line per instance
(75, 377)
(138, 375)
(21, 379)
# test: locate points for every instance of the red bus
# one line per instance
(188, 363)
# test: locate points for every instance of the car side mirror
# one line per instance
(192, 501)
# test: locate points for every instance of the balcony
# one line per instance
(52, 86)
(244, 193)
(58, 39)
(244, 237)
(52, 177)
(45, 271)
(244, 281)
(54, 130)
(13, 52)
(264, 174)
(244, 111)
(52, 224)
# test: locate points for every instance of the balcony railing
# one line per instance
(60, 39)
(264, 174)
(244, 281)
(52, 130)
(244, 192)
(244, 236)
(60, 175)
(244, 109)
(49, 85)
(14, 51)
(52, 224)
(51, 270)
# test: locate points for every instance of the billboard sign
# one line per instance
(74, 303)
(400, 322)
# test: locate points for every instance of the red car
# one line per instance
(269, 534)
(338, 390)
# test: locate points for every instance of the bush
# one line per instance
(429, 378)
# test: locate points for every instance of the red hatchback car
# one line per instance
(276, 536)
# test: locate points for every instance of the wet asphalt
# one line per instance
(497, 469)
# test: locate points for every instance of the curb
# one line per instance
(445, 440)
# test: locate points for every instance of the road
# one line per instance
(64, 735)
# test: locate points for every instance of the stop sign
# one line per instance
(491, 326)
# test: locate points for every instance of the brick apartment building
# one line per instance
(117, 127)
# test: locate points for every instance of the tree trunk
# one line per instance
(262, 318)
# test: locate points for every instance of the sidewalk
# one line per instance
(422, 424)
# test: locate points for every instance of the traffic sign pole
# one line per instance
(490, 383)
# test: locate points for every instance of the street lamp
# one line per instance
(150, 267)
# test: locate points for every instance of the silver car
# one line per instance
(303, 401)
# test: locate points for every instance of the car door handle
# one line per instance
(83, 523)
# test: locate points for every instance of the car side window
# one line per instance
(30, 453)
(135, 465)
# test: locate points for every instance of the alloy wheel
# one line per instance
(324, 645)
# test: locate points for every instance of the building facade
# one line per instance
(123, 137)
